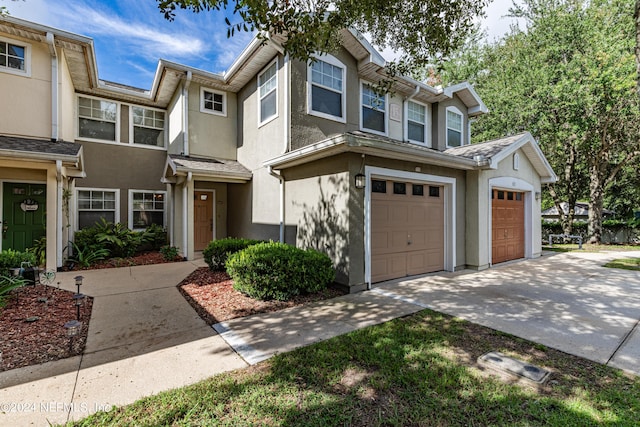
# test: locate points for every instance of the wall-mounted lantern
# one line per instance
(360, 181)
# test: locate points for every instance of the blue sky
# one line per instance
(130, 36)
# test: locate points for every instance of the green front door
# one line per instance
(23, 216)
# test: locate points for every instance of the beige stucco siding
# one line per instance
(66, 101)
(439, 131)
(396, 128)
(176, 128)
(212, 135)
(478, 215)
(26, 101)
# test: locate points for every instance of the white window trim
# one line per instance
(130, 207)
(132, 125)
(446, 127)
(27, 58)
(77, 210)
(427, 124)
(386, 111)
(223, 113)
(77, 117)
(277, 113)
(329, 59)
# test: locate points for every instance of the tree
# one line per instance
(421, 29)
(568, 78)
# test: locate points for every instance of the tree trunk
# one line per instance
(596, 201)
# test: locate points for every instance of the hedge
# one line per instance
(217, 252)
(12, 259)
(279, 271)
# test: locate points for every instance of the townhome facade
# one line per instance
(306, 153)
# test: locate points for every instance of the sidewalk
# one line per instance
(143, 338)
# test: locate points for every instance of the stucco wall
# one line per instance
(176, 133)
(479, 208)
(440, 122)
(66, 101)
(122, 167)
(212, 135)
(26, 101)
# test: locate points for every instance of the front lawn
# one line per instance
(587, 247)
(417, 370)
(624, 263)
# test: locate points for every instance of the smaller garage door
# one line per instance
(507, 217)
(407, 229)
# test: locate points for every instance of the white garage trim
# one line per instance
(508, 183)
(449, 212)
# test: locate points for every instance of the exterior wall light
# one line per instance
(360, 181)
(537, 195)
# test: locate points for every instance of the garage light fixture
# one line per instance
(360, 181)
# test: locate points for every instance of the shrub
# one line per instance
(169, 253)
(154, 237)
(217, 252)
(279, 271)
(39, 250)
(12, 259)
(8, 284)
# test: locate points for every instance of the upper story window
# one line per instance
(97, 118)
(417, 115)
(326, 89)
(213, 102)
(14, 57)
(148, 126)
(454, 127)
(374, 110)
(268, 91)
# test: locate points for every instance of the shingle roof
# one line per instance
(486, 149)
(210, 166)
(55, 149)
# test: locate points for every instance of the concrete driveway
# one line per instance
(566, 301)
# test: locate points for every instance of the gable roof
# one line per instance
(493, 152)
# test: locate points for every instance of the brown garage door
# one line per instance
(507, 215)
(407, 229)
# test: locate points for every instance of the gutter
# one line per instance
(54, 86)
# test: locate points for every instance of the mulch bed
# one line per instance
(143, 258)
(212, 296)
(43, 337)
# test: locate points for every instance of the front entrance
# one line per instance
(203, 219)
(407, 229)
(507, 217)
(23, 214)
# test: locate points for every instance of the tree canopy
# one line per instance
(569, 79)
(421, 29)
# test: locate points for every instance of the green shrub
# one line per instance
(279, 271)
(155, 237)
(217, 252)
(169, 253)
(8, 284)
(12, 259)
(39, 250)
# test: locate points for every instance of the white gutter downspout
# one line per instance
(185, 212)
(54, 86)
(59, 213)
(287, 104)
(281, 179)
(185, 114)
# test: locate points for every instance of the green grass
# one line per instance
(417, 370)
(587, 247)
(625, 263)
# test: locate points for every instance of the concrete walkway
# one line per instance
(145, 338)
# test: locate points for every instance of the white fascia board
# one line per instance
(479, 108)
(374, 56)
(26, 155)
(242, 58)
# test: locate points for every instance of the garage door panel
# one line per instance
(407, 233)
(507, 227)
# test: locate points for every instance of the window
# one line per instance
(434, 191)
(97, 118)
(14, 57)
(374, 110)
(454, 128)
(148, 126)
(326, 89)
(146, 208)
(418, 190)
(378, 186)
(268, 88)
(94, 204)
(399, 188)
(416, 122)
(213, 102)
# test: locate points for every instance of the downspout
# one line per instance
(281, 179)
(185, 213)
(287, 104)
(185, 114)
(54, 86)
(59, 213)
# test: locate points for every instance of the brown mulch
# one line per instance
(143, 258)
(26, 343)
(211, 294)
